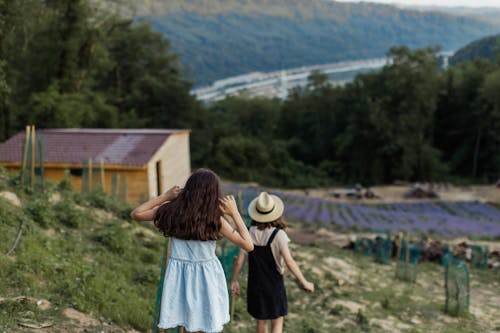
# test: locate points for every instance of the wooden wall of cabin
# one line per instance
(174, 163)
(133, 183)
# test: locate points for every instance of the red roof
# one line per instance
(72, 146)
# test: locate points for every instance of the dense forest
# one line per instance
(222, 38)
(487, 48)
(66, 64)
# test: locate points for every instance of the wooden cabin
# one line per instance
(148, 161)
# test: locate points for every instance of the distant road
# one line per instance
(278, 83)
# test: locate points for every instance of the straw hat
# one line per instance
(265, 208)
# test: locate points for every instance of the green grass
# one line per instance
(83, 252)
(73, 258)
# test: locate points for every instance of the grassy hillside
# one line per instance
(78, 252)
(81, 265)
(220, 38)
(354, 294)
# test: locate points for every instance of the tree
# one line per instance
(144, 79)
(466, 119)
(390, 127)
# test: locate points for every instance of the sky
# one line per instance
(456, 3)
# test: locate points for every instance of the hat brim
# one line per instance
(267, 217)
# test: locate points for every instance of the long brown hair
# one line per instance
(195, 213)
(278, 223)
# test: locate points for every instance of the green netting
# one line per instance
(456, 286)
(364, 246)
(156, 311)
(446, 251)
(407, 268)
(479, 256)
(227, 254)
(383, 249)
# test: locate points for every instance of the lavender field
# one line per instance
(443, 218)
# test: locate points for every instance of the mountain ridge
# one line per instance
(223, 38)
(486, 48)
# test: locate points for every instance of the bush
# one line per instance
(67, 214)
(113, 238)
(102, 200)
(41, 211)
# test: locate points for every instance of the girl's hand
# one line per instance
(235, 288)
(308, 286)
(228, 205)
(172, 193)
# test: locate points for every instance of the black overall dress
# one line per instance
(266, 295)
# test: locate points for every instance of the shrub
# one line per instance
(41, 211)
(67, 214)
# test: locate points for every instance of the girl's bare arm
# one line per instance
(294, 268)
(147, 210)
(235, 285)
(239, 237)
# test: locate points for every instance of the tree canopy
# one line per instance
(67, 64)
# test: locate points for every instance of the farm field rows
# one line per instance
(437, 217)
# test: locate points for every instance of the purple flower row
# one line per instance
(441, 218)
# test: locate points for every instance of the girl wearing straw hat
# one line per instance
(266, 294)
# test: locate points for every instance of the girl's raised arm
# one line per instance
(147, 210)
(239, 237)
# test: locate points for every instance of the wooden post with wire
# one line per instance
(103, 180)
(25, 153)
(233, 297)
(32, 164)
(398, 253)
(407, 257)
(90, 174)
(41, 159)
(240, 201)
(164, 267)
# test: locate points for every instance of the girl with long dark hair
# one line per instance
(195, 294)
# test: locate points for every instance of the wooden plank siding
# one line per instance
(175, 163)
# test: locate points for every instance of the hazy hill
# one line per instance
(487, 14)
(487, 47)
(221, 38)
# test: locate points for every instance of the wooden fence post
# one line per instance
(25, 152)
(398, 253)
(41, 158)
(103, 180)
(407, 256)
(32, 165)
(90, 174)
(233, 298)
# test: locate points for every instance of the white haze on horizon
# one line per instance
(444, 3)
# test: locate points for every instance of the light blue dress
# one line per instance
(194, 291)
